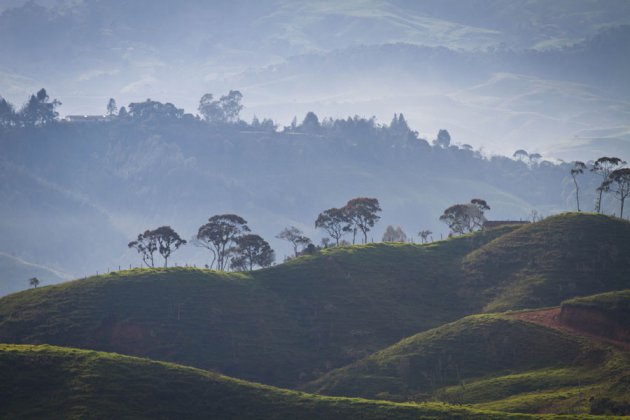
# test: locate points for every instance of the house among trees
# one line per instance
(85, 118)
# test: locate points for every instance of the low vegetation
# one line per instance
(41, 380)
(489, 361)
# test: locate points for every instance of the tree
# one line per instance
(335, 222)
(394, 234)
(167, 241)
(33, 282)
(8, 116)
(251, 250)
(361, 212)
(443, 139)
(296, 237)
(311, 123)
(619, 183)
(210, 109)
(219, 234)
(231, 105)
(111, 107)
(154, 110)
(39, 110)
(424, 235)
(578, 169)
(603, 167)
(520, 155)
(465, 218)
(146, 245)
(534, 158)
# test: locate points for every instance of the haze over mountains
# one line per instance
(549, 77)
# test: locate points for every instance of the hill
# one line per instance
(283, 326)
(491, 361)
(544, 263)
(606, 314)
(290, 324)
(40, 381)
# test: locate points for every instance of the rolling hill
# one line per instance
(547, 262)
(282, 326)
(290, 324)
(45, 381)
(491, 361)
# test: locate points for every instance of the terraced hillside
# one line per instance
(46, 381)
(281, 326)
(495, 362)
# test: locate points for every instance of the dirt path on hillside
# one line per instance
(550, 318)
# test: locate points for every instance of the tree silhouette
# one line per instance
(251, 250)
(296, 237)
(335, 222)
(146, 245)
(603, 167)
(465, 218)
(578, 169)
(362, 214)
(619, 183)
(39, 110)
(111, 107)
(424, 235)
(219, 234)
(167, 241)
(33, 282)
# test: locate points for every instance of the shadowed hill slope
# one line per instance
(282, 326)
(544, 263)
(290, 324)
(489, 361)
(40, 381)
(605, 314)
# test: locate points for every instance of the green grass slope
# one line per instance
(282, 326)
(544, 263)
(489, 361)
(55, 382)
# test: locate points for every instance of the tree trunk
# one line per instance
(577, 194)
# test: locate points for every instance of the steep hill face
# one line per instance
(283, 326)
(490, 361)
(45, 381)
(544, 263)
(605, 314)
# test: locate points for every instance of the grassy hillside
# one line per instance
(493, 362)
(544, 263)
(45, 381)
(282, 326)
(290, 324)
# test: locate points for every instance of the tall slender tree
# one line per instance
(619, 183)
(603, 167)
(578, 169)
